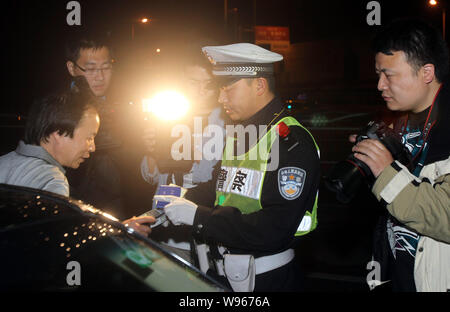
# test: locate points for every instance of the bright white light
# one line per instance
(167, 105)
(110, 217)
(90, 208)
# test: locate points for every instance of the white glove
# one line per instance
(178, 210)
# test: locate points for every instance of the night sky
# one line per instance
(34, 31)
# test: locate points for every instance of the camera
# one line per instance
(347, 176)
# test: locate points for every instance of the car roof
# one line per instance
(40, 231)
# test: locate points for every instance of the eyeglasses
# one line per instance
(92, 71)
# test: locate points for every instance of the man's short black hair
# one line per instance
(79, 41)
(421, 43)
(57, 112)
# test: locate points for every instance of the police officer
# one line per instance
(266, 186)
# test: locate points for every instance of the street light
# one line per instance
(143, 20)
(434, 3)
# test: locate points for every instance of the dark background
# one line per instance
(34, 32)
(328, 73)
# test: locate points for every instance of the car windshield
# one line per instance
(44, 238)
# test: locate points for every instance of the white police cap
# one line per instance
(241, 60)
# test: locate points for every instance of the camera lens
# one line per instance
(347, 177)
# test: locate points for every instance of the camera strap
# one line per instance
(429, 123)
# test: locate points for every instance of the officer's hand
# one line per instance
(352, 138)
(138, 224)
(149, 138)
(374, 154)
(178, 210)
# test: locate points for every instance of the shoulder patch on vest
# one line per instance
(291, 181)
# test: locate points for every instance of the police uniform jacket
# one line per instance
(272, 228)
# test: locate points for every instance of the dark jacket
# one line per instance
(272, 228)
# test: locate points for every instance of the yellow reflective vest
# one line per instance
(252, 166)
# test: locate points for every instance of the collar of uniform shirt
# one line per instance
(267, 115)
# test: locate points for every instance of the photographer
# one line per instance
(412, 64)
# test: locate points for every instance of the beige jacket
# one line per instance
(422, 204)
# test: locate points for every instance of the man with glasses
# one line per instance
(92, 60)
(106, 180)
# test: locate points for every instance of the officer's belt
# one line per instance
(266, 263)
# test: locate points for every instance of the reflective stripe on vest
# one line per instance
(241, 178)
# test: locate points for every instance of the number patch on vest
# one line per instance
(291, 181)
